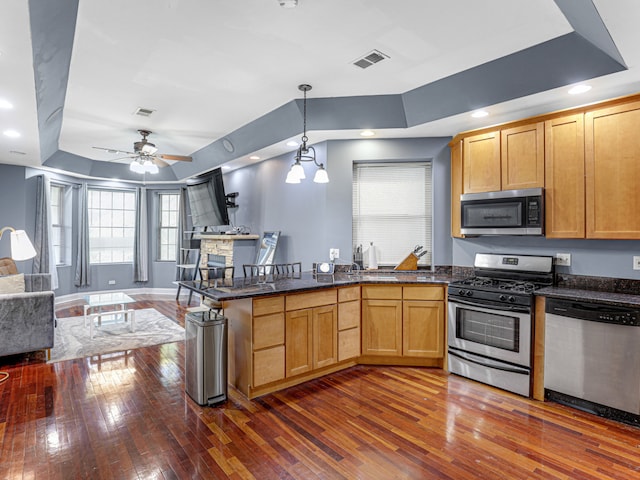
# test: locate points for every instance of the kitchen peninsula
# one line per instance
(291, 329)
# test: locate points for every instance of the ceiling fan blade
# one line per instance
(114, 150)
(179, 158)
(159, 162)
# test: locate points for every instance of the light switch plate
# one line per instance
(334, 253)
(636, 262)
(563, 259)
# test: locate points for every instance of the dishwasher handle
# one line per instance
(594, 311)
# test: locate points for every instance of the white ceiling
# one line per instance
(208, 67)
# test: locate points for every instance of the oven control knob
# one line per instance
(512, 298)
(502, 298)
(469, 293)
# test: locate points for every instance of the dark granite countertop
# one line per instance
(306, 281)
(608, 298)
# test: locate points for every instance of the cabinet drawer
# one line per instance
(348, 315)
(313, 299)
(268, 330)
(382, 292)
(268, 365)
(348, 293)
(265, 306)
(423, 293)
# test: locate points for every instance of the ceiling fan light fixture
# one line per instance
(148, 149)
(149, 167)
(136, 167)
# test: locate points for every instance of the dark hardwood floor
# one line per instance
(127, 416)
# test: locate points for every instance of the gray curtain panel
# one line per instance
(183, 226)
(141, 241)
(82, 277)
(44, 261)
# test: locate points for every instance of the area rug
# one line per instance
(72, 339)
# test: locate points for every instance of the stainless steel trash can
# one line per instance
(206, 357)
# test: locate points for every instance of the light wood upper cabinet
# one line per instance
(612, 160)
(456, 188)
(565, 177)
(522, 157)
(481, 163)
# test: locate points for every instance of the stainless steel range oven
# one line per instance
(490, 319)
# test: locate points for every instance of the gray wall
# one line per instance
(601, 258)
(313, 217)
(13, 207)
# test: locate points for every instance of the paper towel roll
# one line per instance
(373, 261)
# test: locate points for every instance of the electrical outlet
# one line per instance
(636, 262)
(563, 259)
(334, 253)
(112, 282)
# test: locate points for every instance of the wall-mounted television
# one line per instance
(207, 200)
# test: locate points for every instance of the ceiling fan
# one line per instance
(144, 156)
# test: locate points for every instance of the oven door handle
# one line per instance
(489, 363)
(504, 308)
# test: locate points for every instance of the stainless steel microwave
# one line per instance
(509, 212)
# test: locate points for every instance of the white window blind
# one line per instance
(392, 207)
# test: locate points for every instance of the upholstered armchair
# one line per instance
(27, 317)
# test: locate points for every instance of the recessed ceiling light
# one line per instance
(480, 114)
(367, 133)
(254, 157)
(292, 143)
(5, 104)
(11, 133)
(579, 89)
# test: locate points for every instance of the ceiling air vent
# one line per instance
(369, 59)
(144, 112)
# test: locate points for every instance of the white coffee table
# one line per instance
(117, 311)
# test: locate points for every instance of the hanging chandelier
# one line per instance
(305, 153)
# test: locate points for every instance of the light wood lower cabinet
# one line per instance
(407, 321)
(280, 341)
(311, 339)
(325, 336)
(423, 329)
(298, 342)
(382, 327)
(268, 340)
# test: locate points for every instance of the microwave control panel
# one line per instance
(534, 211)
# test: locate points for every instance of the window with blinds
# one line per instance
(392, 207)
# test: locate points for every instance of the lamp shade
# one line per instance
(21, 246)
(136, 167)
(321, 176)
(292, 177)
(298, 171)
(149, 167)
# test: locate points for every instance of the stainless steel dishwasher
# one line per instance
(592, 357)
